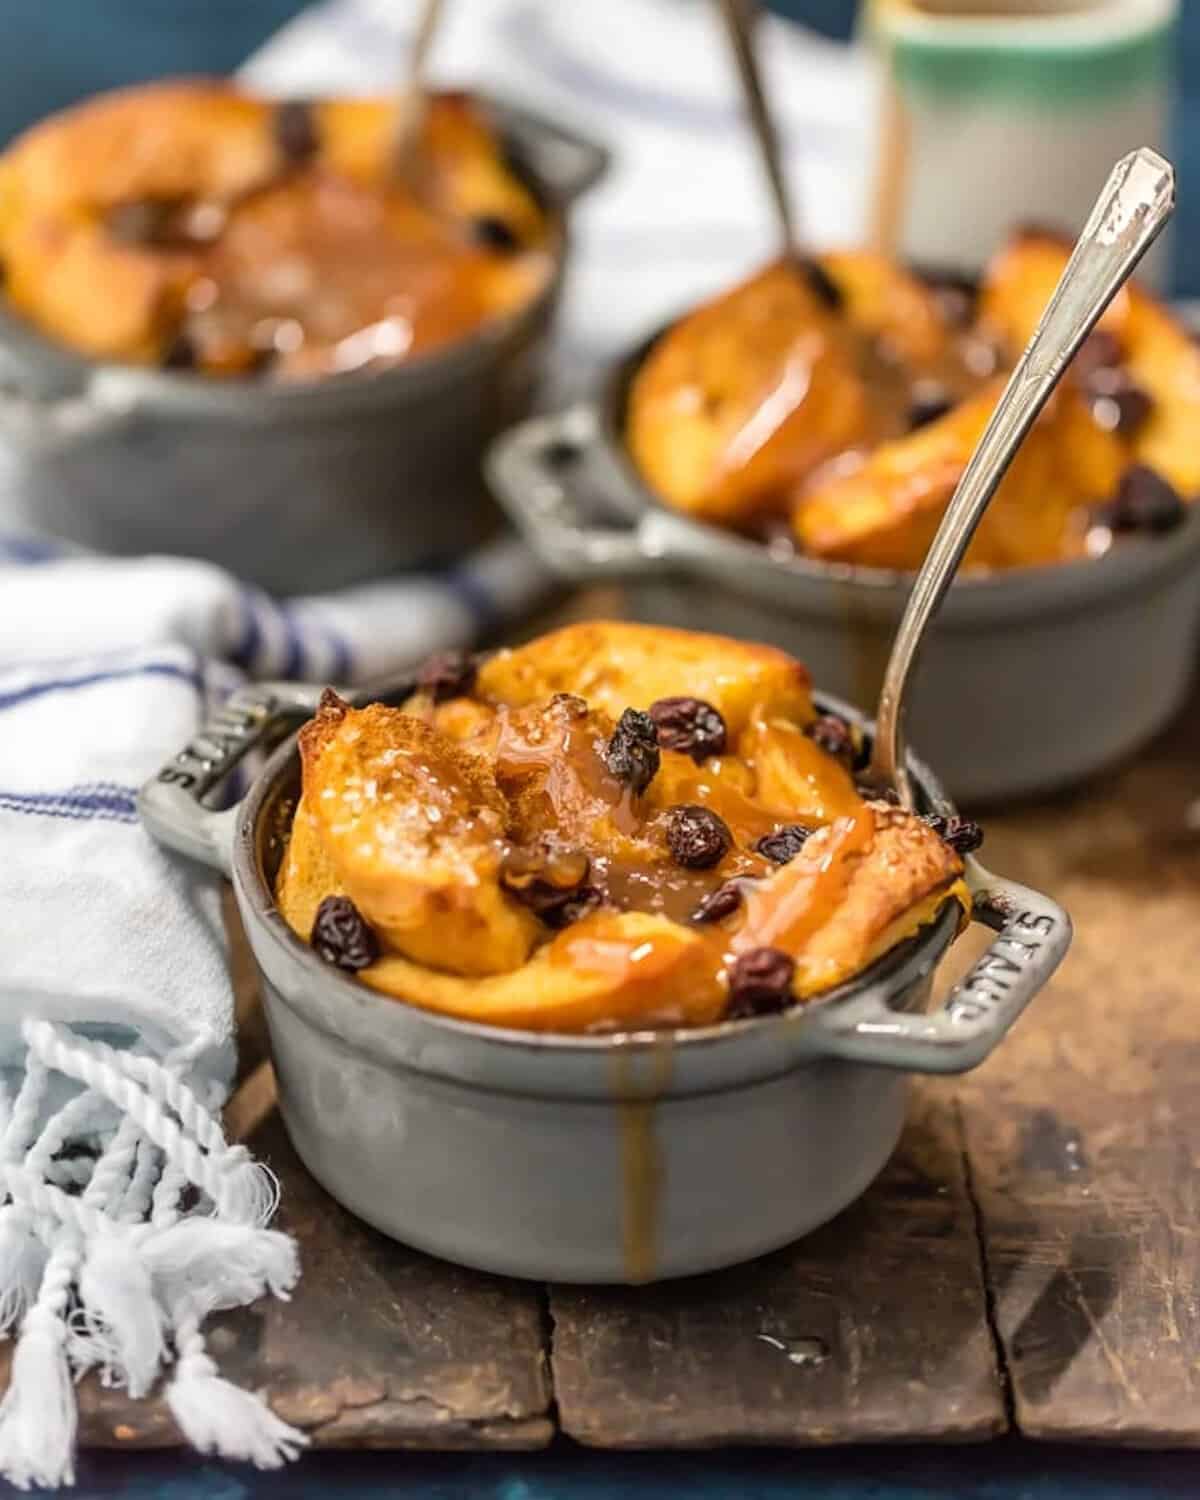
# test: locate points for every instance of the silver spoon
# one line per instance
(1137, 200)
(741, 18)
(412, 98)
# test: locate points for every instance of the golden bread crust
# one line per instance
(744, 396)
(329, 239)
(885, 513)
(421, 816)
(1159, 353)
(614, 665)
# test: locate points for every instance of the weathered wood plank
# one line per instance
(1084, 1131)
(379, 1347)
(890, 1295)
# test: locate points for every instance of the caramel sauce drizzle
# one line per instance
(642, 1168)
(549, 761)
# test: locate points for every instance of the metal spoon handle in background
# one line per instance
(741, 19)
(412, 97)
(1136, 202)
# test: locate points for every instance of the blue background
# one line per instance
(1008, 1470)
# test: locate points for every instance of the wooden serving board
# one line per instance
(1028, 1259)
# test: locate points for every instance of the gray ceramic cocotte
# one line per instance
(1029, 681)
(630, 1157)
(296, 487)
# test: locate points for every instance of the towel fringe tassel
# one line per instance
(22, 1264)
(220, 1418)
(121, 1314)
(140, 1272)
(38, 1415)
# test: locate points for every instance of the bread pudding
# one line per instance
(616, 826)
(829, 408)
(191, 225)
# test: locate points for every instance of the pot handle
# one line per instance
(565, 163)
(1033, 934)
(552, 478)
(171, 806)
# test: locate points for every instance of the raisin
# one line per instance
(718, 904)
(295, 130)
(1117, 404)
(955, 303)
(1101, 350)
(448, 674)
(834, 736)
(823, 284)
(180, 353)
(341, 937)
(963, 835)
(696, 836)
(586, 899)
(541, 875)
(143, 221)
(760, 982)
(561, 454)
(551, 882)
(262, 362)
(495, 234)
(690, 726)
(954, 293)
(632, 751)
(1144, 501)
(928, 400)
(785, 843)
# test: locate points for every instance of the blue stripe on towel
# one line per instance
(342, 666)
(467, 588)
(27, 551)
(250, 642)
(294, 660)
(103, 800)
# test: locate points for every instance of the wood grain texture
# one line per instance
(379, 1347)
(891, 1290)
(1084, 1131)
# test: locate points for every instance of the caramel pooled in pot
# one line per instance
(193, 226)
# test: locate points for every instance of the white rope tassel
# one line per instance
(214, 1265)
(121, 1313)
(22, 1265)
(38, 1416)
(214, 1415)
(220, 1418)
(143, 1090)
(115, 1294)
(145, 1272)
(22, 1255)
